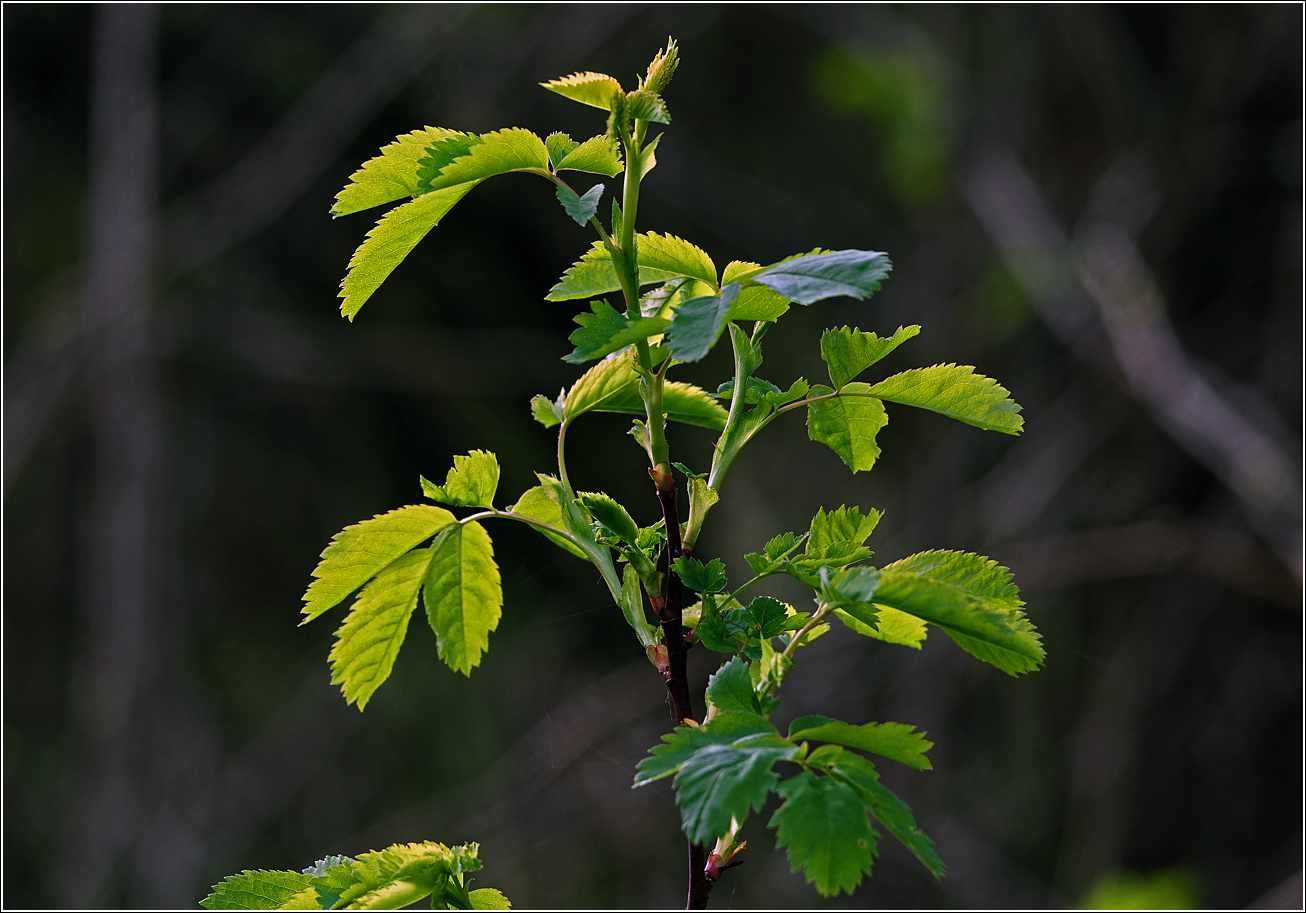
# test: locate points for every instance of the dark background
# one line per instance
(1100, 206)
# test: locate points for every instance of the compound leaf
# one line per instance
(606, 331)
(593, 89)
(390, 176)
(256, 890)
(680, 744)
(896, 741)
(823, 823)
(390, 241)
(581, 208)
(848, 424)
(369, 640)
(357, 553)
(888, 809)
(463, 595)
(855, 273)
(510, 149)
(597, 155)
(730, 689)
(723, 782)
(698, 323)
(957, 392)
(538, 504)
(471, 483)
(850, 352)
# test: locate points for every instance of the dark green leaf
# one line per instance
(697, 324)
(709, 578)
(471, 483)
(357, 553)
(615, 518)
(896, 741)
(730, 690)
(369, 640)
(957, 392)
(855, 273)
(824, 825)
(463, 595)
(768, 615)
(723, 782)
(848, 424)
(606, 331)
(580, 208)
(850, 352)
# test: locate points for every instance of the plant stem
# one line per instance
(562, 458)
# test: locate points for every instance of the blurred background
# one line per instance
(1101, 206)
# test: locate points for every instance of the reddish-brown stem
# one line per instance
(673, 636)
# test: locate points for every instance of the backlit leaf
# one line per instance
(891, 626)
(546, 411)
(612, 386)
(441, 154)
(606, 331)
(848, 424)
(855, 273)
(632, 606)
(463, 595)
(850, 352)
(611, 514)
(754, 302)
(390, 176)
(679, 745)
(559, 145)
(957, 392)
(538, 504)
(597, 155)
(357, 553)
(649, 106)
(510, 149)
(824, 825)
(488, 899)
(390, 241)
(471, 482)
(369, 640)
(593, 89)
(256, 890)
(845, 524)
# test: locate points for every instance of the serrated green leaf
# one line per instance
(591, 275)
(489, 899)
(730, 690)
(612, 515)
(500, 152)
(723, 782)
(390, 176)
(597, 155)
(850, 352)
(849, 587)
(957, 392)
(705, 578)
(369, 640)
(662, 68)
(613, 386)
(701, 500)
(606, 331)
(811, 278)
(698, 323)
(896, 741)
(546, 411)
(463, 595)
(580, 208)
(471, 483)
(888, 809)
(671, 257)
(440, 154)
(989, 630)
(891, 626)
(593, 89)
(559, 146)
(389, 242)
(824, 825)
(357, 553)
(679, 745)
(845, 524)
(848, 424)
(768, 615)
(260, 889)
(538, 504)
(405, 873)
(644, 105)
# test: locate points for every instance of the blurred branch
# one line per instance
(1123, 301)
